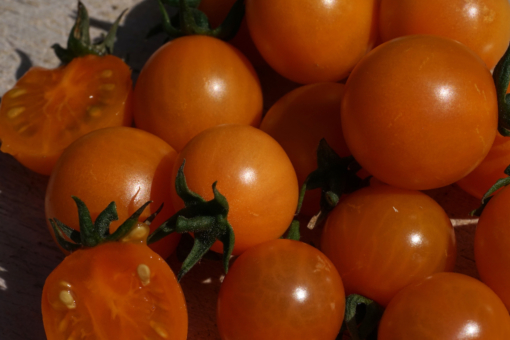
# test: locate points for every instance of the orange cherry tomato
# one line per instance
(481, 25)
(116, 290)
(492, 168)
(445, 306)
(312, 41)
(298, 121)
(383, 238)
(420, 112)
(254, 174)
(48, 109)
(492, 241)
(193, 83)
(121, 164)
(281, 289)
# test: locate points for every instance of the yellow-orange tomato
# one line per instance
(116, 290)
(492, 168)
(50, 108)
(298, 121)
(194, 83)
(252, 171)
(445, 306)
(281, 290)
(420, 112)
(383, 238)
(121, 164)
(492, 241)
(312, 41)
(481, 25)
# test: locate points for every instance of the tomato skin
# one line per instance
(281, 289)
(301, 41)
(252, 171)
(122, 164)
(383, 238)
(445, 306)
(50, 108)
(193, 83)
(492, 241)
(481, 25)
(111, 301)
(298, 121)
(420, 112)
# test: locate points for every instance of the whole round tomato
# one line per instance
(116, 290)
(383, 238)
(281, 289)
(298, 121)
(492, 168)
(481, 25)
(420, 112)
(312, 41)
(254, 174)
(193, 83)
(492, 241)
(445, 306)
(121, 164)
(48, 109)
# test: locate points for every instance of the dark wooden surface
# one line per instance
(27, 251)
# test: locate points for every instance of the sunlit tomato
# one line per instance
(492, 241)
(420, 112)
(312, 41)
(193, 83)
(254, 174)
(48, 109)
(281, 289)
(481, 25)
(445, 306)
(298, 121)
(492, 168)
(114, 291)
(383, 238)
(122, 164)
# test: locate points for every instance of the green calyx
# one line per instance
(191, 21)
(361, 318)
(501, 76)
(500, 183)
(79, 43)
(206, 219)
(94, 233)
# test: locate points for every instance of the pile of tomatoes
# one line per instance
(401, 88)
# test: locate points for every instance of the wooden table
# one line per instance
(27, 251)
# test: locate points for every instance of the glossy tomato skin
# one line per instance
(193, 83)
(481, 25)
(492, 168)
(301, 41)
(122, 164)
(383, 238)
(298, 121)
(111, 299)
(281, 289)
(48, 109)
(445, 306)
(420, 112)
(492, 241)
(252, 171)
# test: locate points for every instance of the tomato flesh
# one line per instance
(48, 109)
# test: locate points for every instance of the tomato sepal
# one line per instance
(79, 43)
(501, 76)
(207, 220)
(500, 183)
(92, 233)
(190, 20)
(370, 316)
